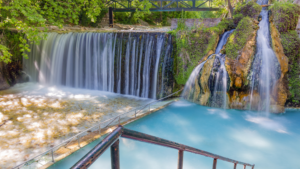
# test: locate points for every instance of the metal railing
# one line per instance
(113, 140)
(134, 113)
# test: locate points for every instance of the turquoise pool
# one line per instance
(269, 142)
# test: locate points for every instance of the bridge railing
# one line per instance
(112, 140)
(164, 5)
(77, 141)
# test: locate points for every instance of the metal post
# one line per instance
(52, 155)
(244, 166)
(111, 19)
(115, 158)
(180, 159)
(215, 164)
(78, 139)
(234, 167)
(100, 130)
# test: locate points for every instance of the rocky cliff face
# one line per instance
(240, 50)
(286, 42)
(280, 90)
(3, 81)
(238, 66)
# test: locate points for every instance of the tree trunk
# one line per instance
(230, 9)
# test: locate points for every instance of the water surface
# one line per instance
(269, 143)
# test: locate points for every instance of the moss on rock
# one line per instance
(195, 45)
(291, 45)
(239, 37)
(285, 16)
(250, 9)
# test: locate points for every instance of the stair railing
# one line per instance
(112, 141)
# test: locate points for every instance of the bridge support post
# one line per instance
(115, 158)
(111, 17)
(215, 164)
(180, 159)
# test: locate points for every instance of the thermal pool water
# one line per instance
(268, 142)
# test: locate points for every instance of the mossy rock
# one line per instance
(250, 9)
(291, 46)
(239, 37)
(193, 45)
(285, 16)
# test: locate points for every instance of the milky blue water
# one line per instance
(269, 143)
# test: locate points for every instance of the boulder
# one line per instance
(285, 16)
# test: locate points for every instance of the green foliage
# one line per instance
(291, 45)
(285, 16)
(31, 17)
(238, 39)
(4, 54)
(142, 7)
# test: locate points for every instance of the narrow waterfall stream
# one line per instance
(125, 63)
(265, 66)
(220, 77)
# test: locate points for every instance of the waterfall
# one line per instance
(219, 91)
(125, 63)
(264, 65)
(223, 41)
(166, 63)
(220, 77)
(190, 84)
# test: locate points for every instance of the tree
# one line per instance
(31, 18)
(230, 9)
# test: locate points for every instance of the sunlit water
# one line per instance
(269, 143)
(33, 117)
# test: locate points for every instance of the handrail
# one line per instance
(96, 152)
(97, 125)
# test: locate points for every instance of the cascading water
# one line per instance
(125, 63)
(265, 65)
(220, 77)
(223, 41)
(219, 91)
(190, 84)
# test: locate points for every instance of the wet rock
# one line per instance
(280, 89)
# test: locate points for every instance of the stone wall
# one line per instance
(208, 22)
